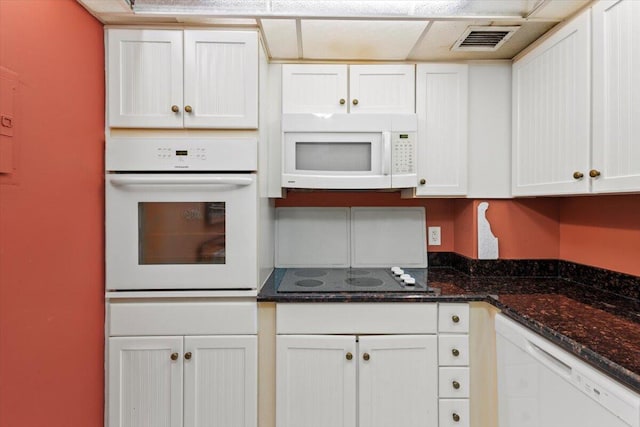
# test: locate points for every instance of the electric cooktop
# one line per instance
(354, 280)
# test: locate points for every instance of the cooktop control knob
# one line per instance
(399, 272)
(394, 269)
(404, 277)
(410, 281)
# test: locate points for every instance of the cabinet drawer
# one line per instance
(453, 318)
(453, 350)
(454, 413)
(181, 318)
(454, 382)
(358, 318)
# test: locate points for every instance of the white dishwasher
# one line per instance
(541, 385)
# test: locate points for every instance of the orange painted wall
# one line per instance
(51, 221)
(602, 231)
(526, 228)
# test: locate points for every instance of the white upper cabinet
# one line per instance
(382, 89)
(551, 114)
(441, 107)
(147, 87)
(329, 89)
(314, 89)
(145, 78)
(616, 96)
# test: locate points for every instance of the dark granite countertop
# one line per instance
(599, 327)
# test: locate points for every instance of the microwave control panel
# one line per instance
(403, 153)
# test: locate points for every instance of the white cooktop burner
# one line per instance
(349, 280)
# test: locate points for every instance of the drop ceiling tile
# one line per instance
(359, 40)
(559, 9)
(281, 38)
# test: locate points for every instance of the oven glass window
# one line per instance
(331, 156)
(181, 233)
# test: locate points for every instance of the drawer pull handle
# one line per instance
(455, 318)
(349, 356)
(188, 355)
(342, 101)
(577, 175)
(175, 108)
(366, 356)
(594, 173)
(174, 356)
(188, 108)
(456, 385)
(455, 417)
(455, 352)
(355, 102)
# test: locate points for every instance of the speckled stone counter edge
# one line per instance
(619, 283)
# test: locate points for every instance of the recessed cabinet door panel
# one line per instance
(551, 114)
(220, 386)
(221, 79)
(145, 382)
(616, 96)
(398, 383)
(382, 88)
(441, 107)
(311, 88)
(316, 381)
(145, 78)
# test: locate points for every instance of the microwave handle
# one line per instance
(120, 181)
(386, 153)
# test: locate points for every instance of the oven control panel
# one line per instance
(181, 154)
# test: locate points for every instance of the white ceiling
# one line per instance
(413, 31)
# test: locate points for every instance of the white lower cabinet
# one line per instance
(454, 382)
(356, 365)
(454, 413)
(180, 380)
(348, 381)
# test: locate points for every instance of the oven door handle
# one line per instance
(120, 181)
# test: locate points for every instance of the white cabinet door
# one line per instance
(144, 78)
(441, 107)
(221, 79)
(382, 88)
(145, 382)
(220, 381)
(316, 381)
(616, 96)
(311, 88)
(398, 381)
(551, 114)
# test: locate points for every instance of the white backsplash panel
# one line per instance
(384, 237)
(312, 237)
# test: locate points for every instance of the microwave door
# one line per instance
(187, 231)
(349, 160)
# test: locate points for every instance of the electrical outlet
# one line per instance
(434, 236)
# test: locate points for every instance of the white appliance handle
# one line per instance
(549, 360)
(120, 181)
(386, 152)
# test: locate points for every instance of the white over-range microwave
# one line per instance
(349, 151)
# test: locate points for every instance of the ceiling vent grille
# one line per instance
(483, 39)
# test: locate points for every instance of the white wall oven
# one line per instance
(344, 151)
(171, 223)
